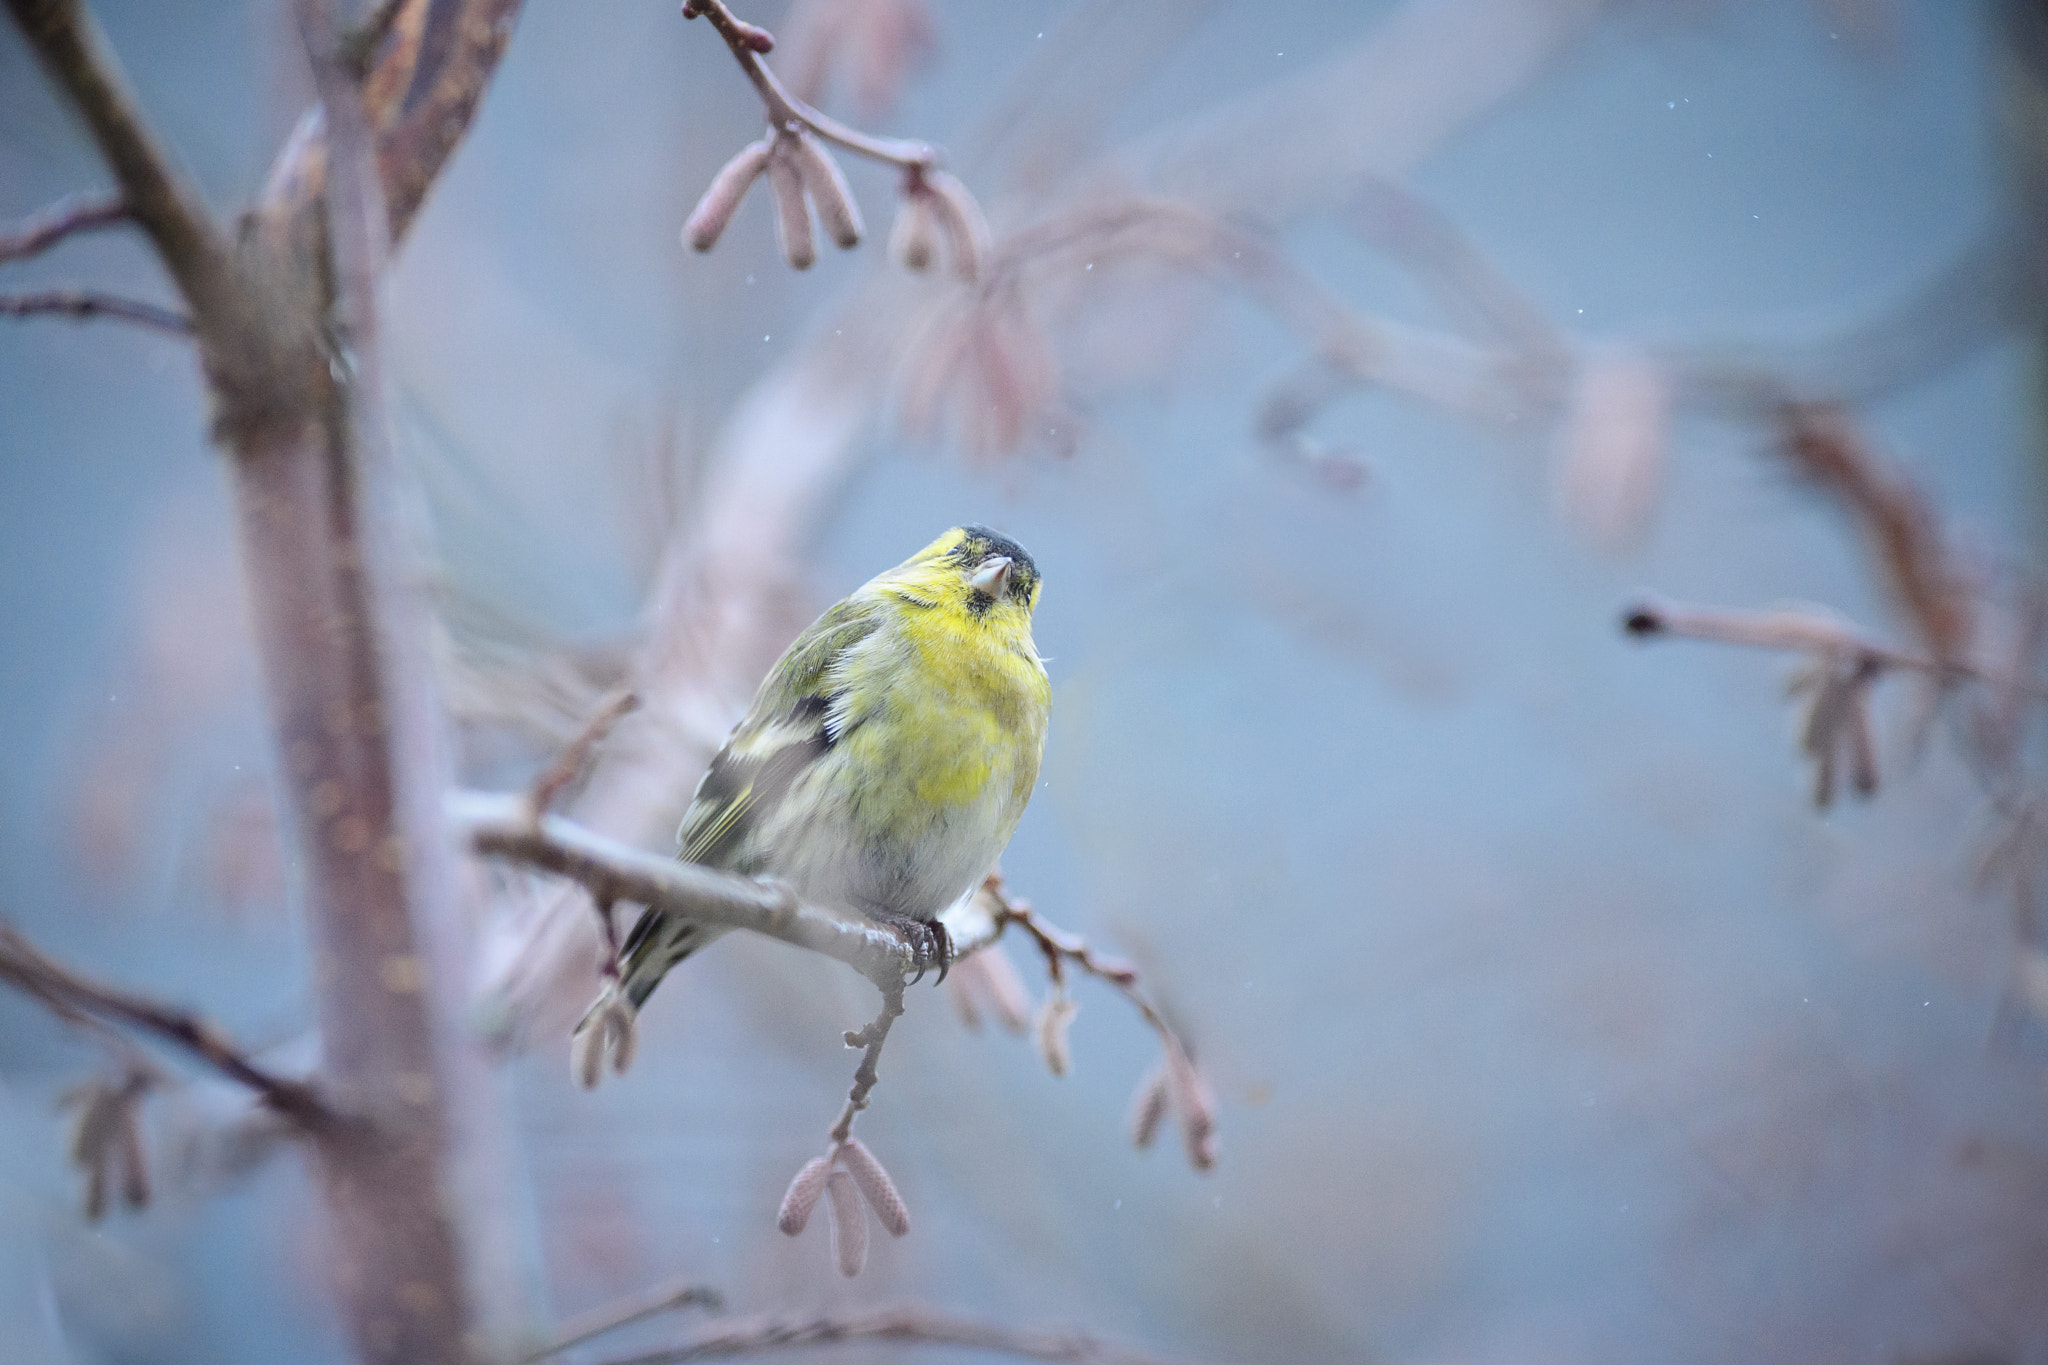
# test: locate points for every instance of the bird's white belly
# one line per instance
(833, 857)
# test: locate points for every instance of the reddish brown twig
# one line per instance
(75, 213)
(1185, 1086)
(574, 760)
(1895, 517)
(85, 305)
(71, 996)
(748, 42)
(869, 1040)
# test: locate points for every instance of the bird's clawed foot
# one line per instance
(930, 943)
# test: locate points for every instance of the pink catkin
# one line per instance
(707, 222)
(849, 1224)
(802, 1195)
(828, 190)
(792, 215)
(874, 1182)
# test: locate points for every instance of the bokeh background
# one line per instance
(1549, 1020)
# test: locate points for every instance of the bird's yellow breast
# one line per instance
(966, 699)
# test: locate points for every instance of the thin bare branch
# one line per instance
(87, 305)
(1793, 631)
(1809, 633)
(906, 1324)
(1062, 948)
(574, 759)
(869, 1040)
(748, 42)
(640, 1307)
(498, 826)
(1191, 1096)
(45, 228)
(72, 996)
(73, 50)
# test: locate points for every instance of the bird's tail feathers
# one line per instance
(656, 944)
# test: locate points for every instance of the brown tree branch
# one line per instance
(74, 52)
(906, 1324)
(461, 43)
(85, 305)
(74, 997)
(45, 228)
(499, 826)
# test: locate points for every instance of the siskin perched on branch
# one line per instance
(882, 768)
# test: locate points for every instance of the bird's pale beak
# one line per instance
(991, 576)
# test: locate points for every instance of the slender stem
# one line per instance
(1801, 633)
(85, 305)
(639, 1308)
(784, 108)
(870, 1039)
(574, 760)
(75, 53)
(1060, 947)
(76, 213)
(72, 996)
(907, 1324)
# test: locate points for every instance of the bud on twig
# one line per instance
(611, 1029)
(107, 1141)
(1195, 1105)
(828, 189)
(792, 215)
(874, 1182)
(707, 222)
(1054, 1019)
(1838, 720)
(802, 1195)
(849, 1224)
(1148, 1106)
(1006, 992)
(961, 223)
(914, 240)
(937, 206)
(586, 1057)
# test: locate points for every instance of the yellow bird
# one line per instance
(886, 759)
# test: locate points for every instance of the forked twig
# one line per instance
(74, 213)
(749, 41)
(67, 994)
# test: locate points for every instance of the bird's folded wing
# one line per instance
(783, 734)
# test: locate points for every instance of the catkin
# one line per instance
(875, 1183)
(792, 215)
(849, 1224)
(802, 1195)
(829, 192)
(707, 222)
